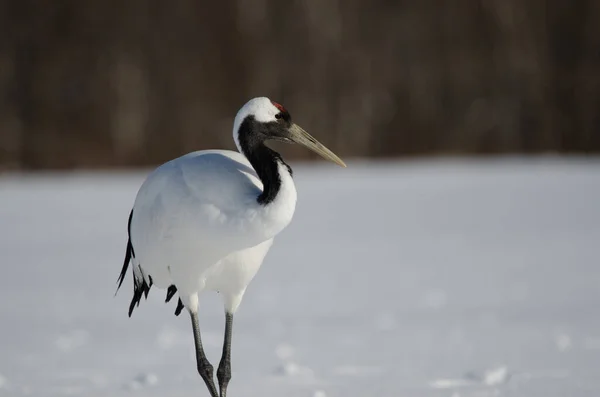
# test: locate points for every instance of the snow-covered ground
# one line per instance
(432, 278)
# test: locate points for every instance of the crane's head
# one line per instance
(261, 119)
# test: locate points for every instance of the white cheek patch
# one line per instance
(266, 114)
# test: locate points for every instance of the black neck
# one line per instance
(265, 161)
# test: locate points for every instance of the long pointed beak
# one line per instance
(299, 136)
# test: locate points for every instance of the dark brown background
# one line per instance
(101, 83)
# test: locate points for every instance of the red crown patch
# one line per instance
(278, 106)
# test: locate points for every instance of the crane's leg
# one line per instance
(205, 369)
(224, 371)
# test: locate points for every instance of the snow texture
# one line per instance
(424, 278)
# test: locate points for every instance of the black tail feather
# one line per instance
(128, 254)
(135, 301)
(141, 288)
(147, 289)
(170, 293)
(179, 307)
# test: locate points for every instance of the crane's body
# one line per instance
(206, 220)
(196, 224)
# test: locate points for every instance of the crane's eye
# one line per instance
(278, 116)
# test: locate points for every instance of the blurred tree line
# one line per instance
(112, 83)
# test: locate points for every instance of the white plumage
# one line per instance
(197, 225)
(206, 220)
